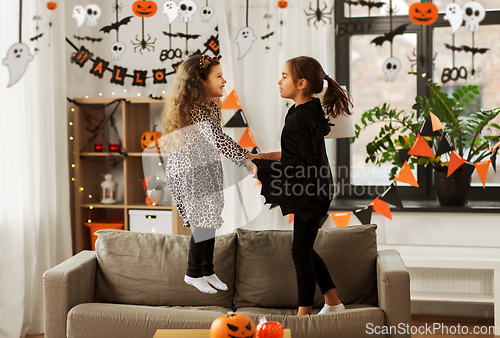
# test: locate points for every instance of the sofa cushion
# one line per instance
(132, 321)
(149, 269)
(265, 274)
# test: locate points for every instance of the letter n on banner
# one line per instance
(159, 76)
(81, 56)
(119, 74)
(140, 78)
(99, 67)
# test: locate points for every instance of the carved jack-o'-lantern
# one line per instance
(144, 8)
(282, 4)
(51, 5)
(267, 329)
(149, 141)
(232, 325)
(423, 13)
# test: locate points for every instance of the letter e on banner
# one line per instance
(213, 45)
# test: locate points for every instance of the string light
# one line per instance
(89, 221)
(90, 196)
(159, 164)
(81, 189)
(71, 138)
(100, 94)
(157, 178)
(124, 90)
(91, 207)
(72, 179)
(73, 165)
(86, 96)
(163, 92)
(72, 109)
(138, 94)
(113, 93)
(71, 123)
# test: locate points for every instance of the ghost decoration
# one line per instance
(244, 40)
(186, 9)
(206, 13)
(79, 15)
(17, 60)
(474, 13)
(93, 12)
(454, 16)
(171, 10)
(117, 49)
(391, 68)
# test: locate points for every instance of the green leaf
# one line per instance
(470, 96)
(460, 92)
(455, 96)
(465, 100)
(464, 88)
(475, 91)
(494, 125)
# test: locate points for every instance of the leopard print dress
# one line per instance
(193, 167)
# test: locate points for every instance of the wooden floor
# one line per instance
(441, 324)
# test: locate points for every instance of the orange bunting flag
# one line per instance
(482, 170)
(455, 162)
(257, 183)
(436, 124)
(231, 101)
(381, 207)
(421, 148)
(247, 140)
(405, 175)
(341, 219)
(492, 149)
(290, 218)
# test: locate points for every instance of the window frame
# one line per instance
(381, 25)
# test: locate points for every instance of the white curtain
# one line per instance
(255, 75)
(35, 231)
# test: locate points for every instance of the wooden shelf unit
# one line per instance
(132, 119)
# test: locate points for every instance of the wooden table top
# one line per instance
(194, 333)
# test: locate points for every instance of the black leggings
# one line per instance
(201, 253)
(309, 266)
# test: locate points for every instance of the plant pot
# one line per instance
(453, 190)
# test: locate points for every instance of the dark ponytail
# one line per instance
(336, 100)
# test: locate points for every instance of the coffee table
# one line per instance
(194, 333)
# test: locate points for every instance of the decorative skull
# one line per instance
(391, 68)
(474, 13)
(206, 13)
(117, 49)
(93, 13)
(187, 8)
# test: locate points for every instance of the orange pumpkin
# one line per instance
(423, 13)
(51, 5)
(232, 325)
(282, 4)
(144, 8)
(149, 141)
(267, 329)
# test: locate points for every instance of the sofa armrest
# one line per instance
(68, 284)
(393, 283)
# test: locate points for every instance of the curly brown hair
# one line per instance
(187, 89)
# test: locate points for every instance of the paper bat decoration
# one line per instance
(267, 36)
(116, 25)
(370, 4)
(171, 35)
(475, 50)
(453, 48)
(36, 37)
(188, 36)
(379, 40)
(88, 38)
(353, 3)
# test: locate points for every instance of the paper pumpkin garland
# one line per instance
(423, 13)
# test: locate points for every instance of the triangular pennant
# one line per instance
(405, 175)
(290, 218)
(494, 147)
(364, 215)
(247, 140)
(255, 150)
(421, 148)
(231, 101)
(403, 155)
(257, 183)
(468, 169)
(238, 120)
(444, 146)
(341, 219)
(494, 161)
(381, 207)
(426, 129)
(436, 124)
(482, 170)
(455, 162)
(391, 196)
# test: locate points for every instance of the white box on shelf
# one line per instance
(151, 221)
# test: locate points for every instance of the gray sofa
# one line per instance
(133, 285)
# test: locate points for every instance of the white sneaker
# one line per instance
(216, 282)
(200, 283)
(331, 309)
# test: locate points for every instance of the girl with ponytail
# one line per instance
(298, 178)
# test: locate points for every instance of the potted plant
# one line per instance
(471, 136)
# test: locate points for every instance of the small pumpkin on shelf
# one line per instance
(149, 140)
(232, 325)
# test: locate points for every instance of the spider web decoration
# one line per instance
(319, 14)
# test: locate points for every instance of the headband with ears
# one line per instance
(205, 61)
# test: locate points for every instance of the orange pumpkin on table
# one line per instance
(144, 8)
(267, 329)
(423, 13)
(149, 141)
(232, 325)
(51, 5)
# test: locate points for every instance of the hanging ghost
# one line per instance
(391, 68)
(93, 13)
(17, 60)
(117, 49)
(187, 8)
(244, 40)
(454, 15)
(206, 13)
(474, 13)
(79, 15)
(171, 10)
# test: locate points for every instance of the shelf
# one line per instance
(104, 100)
(103, 206)
(137, 154)
(477, 298)
(145, 206)
(104, 154)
